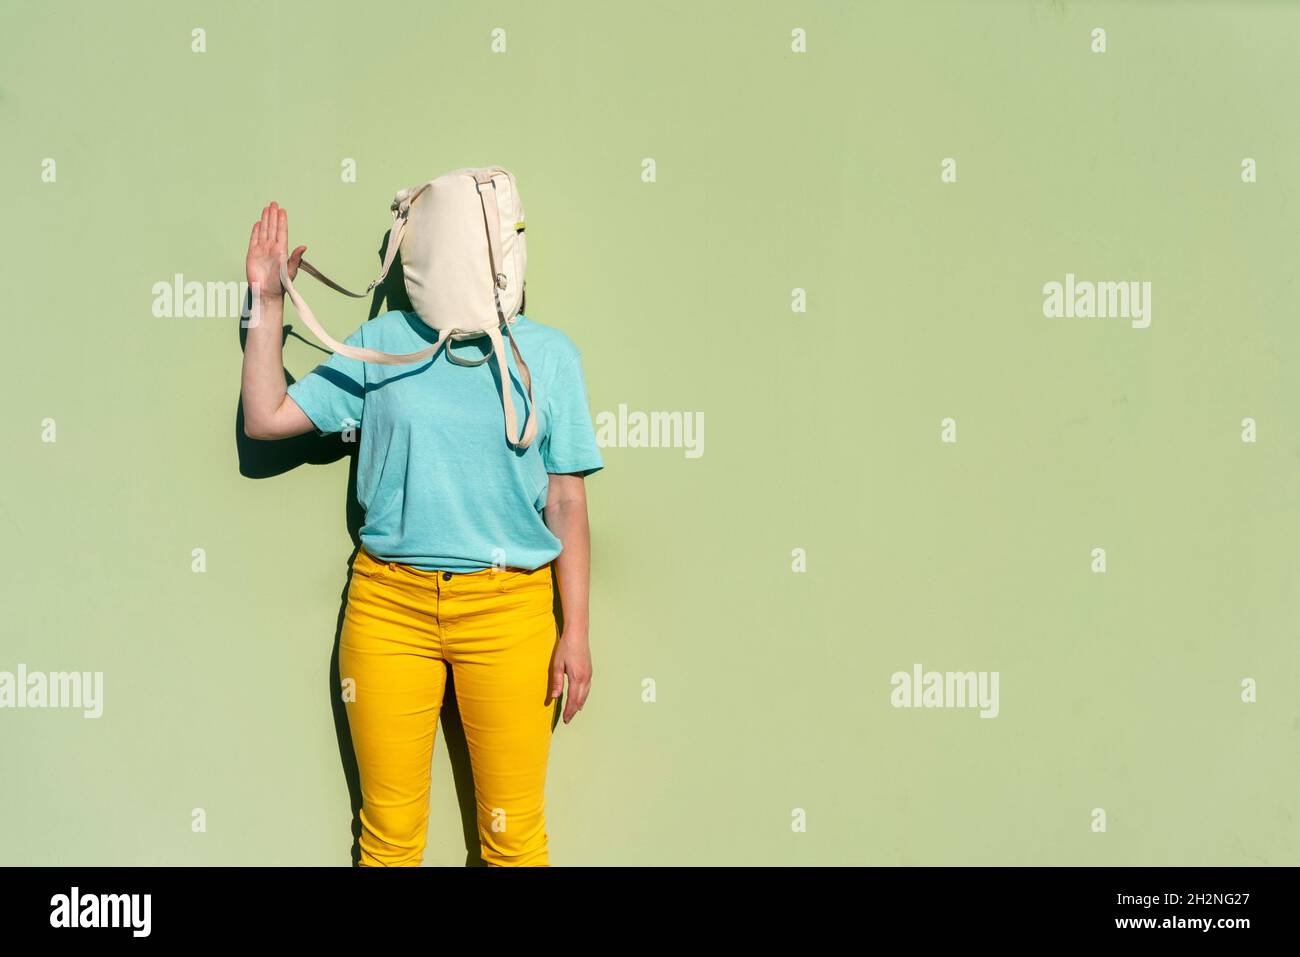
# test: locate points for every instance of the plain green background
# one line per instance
(775, 171)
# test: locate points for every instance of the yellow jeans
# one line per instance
(497, 631)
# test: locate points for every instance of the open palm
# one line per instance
(267, 247)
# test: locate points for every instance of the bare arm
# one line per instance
(566, 516)
(269, 413)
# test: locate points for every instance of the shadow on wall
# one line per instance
(261, 460)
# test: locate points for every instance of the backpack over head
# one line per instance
(461, 236)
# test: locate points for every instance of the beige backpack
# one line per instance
(461, 236)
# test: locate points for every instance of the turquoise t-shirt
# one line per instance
(441, 487)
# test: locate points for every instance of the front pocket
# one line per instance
(512, 581)
(367, 566)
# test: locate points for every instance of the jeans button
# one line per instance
(446, 576)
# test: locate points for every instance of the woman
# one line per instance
(455, 563)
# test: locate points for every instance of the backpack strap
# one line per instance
(354, 352)
(512, 423)
(487, 194)
(492, 221)
(401, 210)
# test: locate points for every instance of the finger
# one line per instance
(584, 689)
(252, 238)
(557, 683)
(282, 231)
(571, 706)
(578, 696)
(294, 259)
(267, 233)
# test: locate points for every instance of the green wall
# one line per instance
(773, 171)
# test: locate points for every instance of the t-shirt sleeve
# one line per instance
(333, 394)
(570, 441)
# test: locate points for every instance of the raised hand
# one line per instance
(266, 249)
